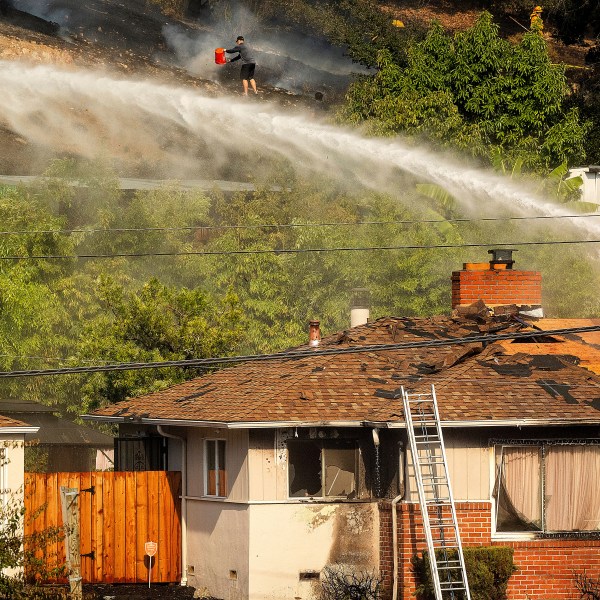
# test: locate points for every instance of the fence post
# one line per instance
(70, 512)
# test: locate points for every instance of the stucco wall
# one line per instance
(289, 541)
(218, 547)
(14, 467)
(12, 474)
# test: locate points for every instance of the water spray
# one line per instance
(93, 113)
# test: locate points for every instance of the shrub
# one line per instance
(588, 588)
(338, 583)
(488, 572)
(19, 555)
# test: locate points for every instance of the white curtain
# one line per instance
(518, 490)
(572, 479)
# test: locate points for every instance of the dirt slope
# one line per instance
(126, 36)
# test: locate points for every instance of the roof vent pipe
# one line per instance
(314, 333)
(359, 307)
(502, 256)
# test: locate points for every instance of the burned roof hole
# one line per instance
(317, 369)
(538, 339)
(388, 394)
(516, 370)
(547, 363)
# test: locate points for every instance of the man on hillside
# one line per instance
(248, 63)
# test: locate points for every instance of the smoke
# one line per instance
(49, 10)
(112, 24)
(179, 133)
(285, 59)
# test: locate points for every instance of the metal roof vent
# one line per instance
(314, 333)
(359, 307)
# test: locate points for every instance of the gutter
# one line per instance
(183, 441)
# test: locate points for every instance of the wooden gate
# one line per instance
(119, 512)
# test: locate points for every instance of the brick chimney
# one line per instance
(498, 284)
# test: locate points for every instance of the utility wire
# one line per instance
(287, 225)
(290, 251)
(296, 354)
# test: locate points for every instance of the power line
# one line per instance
(296, 354)
(291, 251)
(287, 225)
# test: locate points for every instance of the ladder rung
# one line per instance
(448, 588)
(439, 518)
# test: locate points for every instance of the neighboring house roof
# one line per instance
(475, 385)
(47, 428)
(7, 425)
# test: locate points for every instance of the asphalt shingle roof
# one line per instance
(472, 383)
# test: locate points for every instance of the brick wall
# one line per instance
(546, 567)
(496, 287)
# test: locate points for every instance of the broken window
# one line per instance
(547, 487)
(216, 476)
(322, 468)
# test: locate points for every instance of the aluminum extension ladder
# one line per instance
(435, 496)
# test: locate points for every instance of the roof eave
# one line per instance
(363, 423)
(16, 429)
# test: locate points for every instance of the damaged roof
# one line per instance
(475, 383)
(583, 347)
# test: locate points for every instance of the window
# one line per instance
(547, 487)
(215, 483)
(322, 468)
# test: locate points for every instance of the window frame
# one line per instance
(217, 494)
(542, 444)
(323, 444)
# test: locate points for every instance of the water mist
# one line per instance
(92, 113)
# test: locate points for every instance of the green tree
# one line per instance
(476, 92)
(151, 324)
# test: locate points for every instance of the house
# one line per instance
(55, 444)
(12, 447)
(299, 462)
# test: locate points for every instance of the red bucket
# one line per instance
(220, 56)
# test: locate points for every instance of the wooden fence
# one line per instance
(118, 514)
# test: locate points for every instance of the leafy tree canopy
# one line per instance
(476, 92)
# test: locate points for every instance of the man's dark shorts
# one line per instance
(247, 71)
